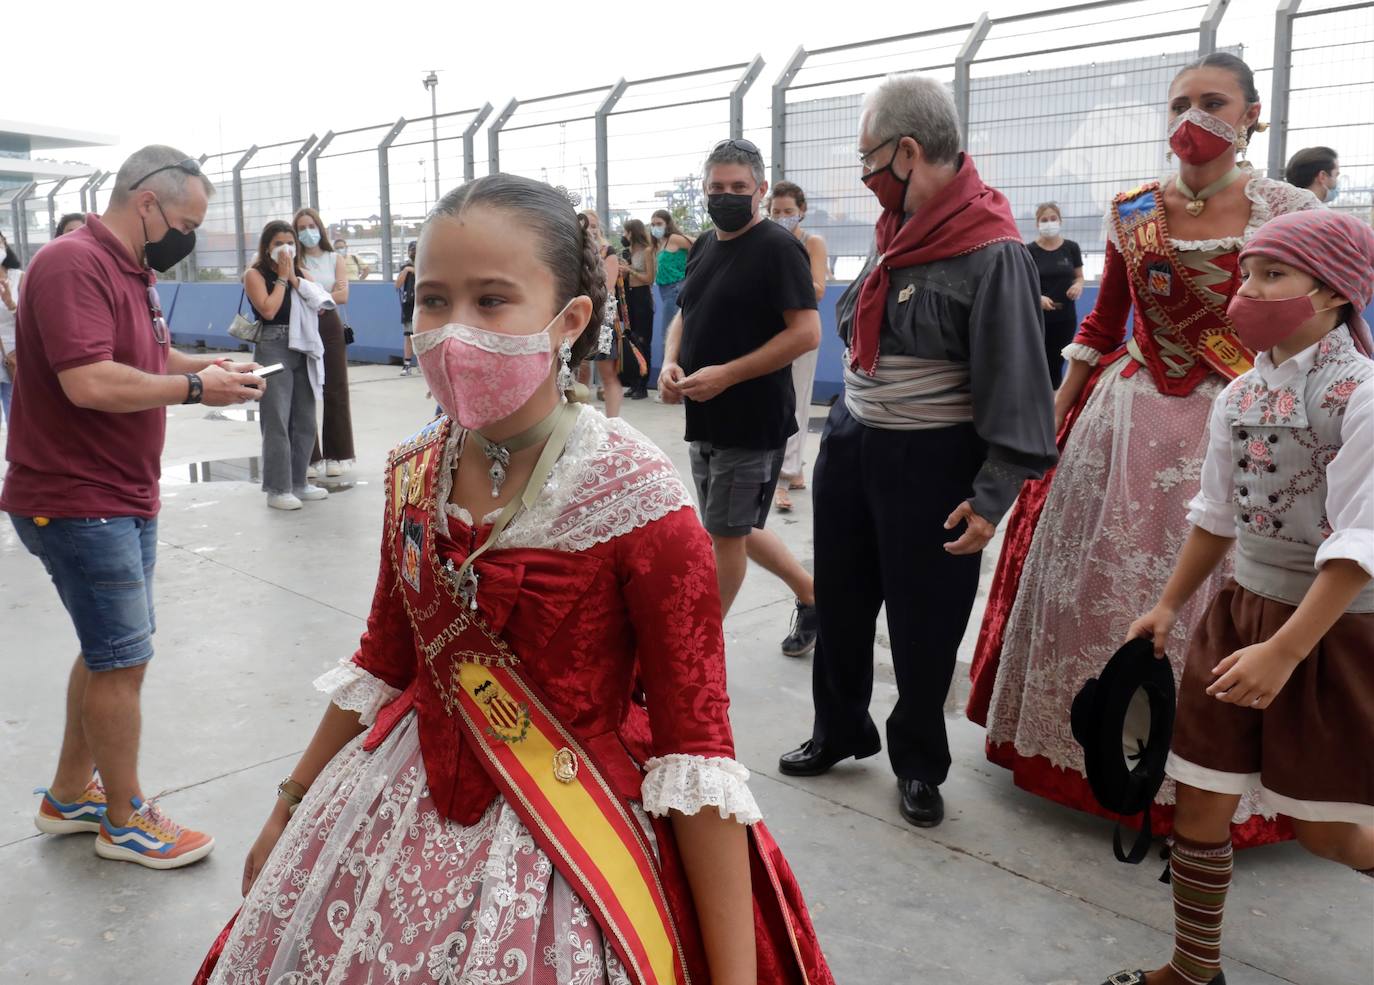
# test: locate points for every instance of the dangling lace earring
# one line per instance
(1169, 157)
(1242, 145)
(565, 373)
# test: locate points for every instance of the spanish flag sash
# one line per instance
(1189, 334)
(545, 773)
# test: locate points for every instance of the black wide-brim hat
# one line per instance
(1124, 720)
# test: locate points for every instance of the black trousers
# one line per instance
(880, 502)
(1059, 332)
(640, 301)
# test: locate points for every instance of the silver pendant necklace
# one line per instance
(499, 452)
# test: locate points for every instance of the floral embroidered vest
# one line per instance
(1283, 439)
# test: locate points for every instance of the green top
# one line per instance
(672, 267)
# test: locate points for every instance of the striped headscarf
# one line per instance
(1334, 247)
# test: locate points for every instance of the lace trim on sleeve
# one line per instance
(689, 783)
(354, 689)
(1083, 353)
(1270, 198)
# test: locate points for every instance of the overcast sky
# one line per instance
(207, 77)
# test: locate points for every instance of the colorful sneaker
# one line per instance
(152, 839)
(83, 814)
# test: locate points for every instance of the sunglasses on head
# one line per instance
(748, 146)
(191, 166)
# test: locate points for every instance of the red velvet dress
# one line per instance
(1089, 547)
(405, 855)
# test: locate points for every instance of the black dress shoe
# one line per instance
(922, 804)
(1138, 978)
(813, 759)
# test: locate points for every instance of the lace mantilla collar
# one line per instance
(609, 481)
(1268, 198)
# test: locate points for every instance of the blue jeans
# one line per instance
(103, 571)
(6, 392)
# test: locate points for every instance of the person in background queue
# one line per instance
(1060, 265)
(82, 486)
(405, 290)
(334, 453)
(10, 275)
(748, 311)
(639, 267)
(787, 207)
(1317, 169)
(70, 222)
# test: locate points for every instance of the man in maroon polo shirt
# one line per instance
(89, 419)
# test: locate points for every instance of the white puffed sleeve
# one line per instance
(354, 689)
(687, 784)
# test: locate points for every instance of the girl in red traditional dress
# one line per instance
(526, 774)
(1084, 550)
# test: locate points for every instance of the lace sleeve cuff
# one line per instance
(1083, 353)
(354, 689)
(1349, 545)
(688, 783)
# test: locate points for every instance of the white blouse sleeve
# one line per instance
(354, 689)
(687, 784)
(1350, 486)
(1212, 508)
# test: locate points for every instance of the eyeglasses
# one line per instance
(748, 146)
(864, 155)
(155, 309)
(191, 166)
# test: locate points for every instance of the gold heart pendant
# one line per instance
(1195, 207)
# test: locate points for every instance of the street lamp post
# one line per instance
(432, 84)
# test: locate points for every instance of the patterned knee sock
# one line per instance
(1201, 876)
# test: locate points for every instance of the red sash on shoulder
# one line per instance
(1189, 335)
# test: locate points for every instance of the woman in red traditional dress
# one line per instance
(526, 774)
(1083, 552)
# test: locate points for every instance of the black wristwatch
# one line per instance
(193, 389)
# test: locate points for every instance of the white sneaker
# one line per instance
(283, 501)
(311, 493)
(333, 468)
(313, 472)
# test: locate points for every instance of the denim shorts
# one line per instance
(103, 570)
(734, 486)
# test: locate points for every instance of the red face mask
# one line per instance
(1262, 324)
(1198, 137)
(887, 187)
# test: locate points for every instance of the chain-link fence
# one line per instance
(1064, 105)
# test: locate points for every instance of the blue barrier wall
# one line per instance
(201, 313)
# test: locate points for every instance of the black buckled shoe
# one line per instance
(813, 759)
(1138, 978)
(922, 804)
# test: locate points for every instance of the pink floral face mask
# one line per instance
(479, 376)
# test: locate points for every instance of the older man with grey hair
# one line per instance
(748, 310)
(82, 486)
(947, 409)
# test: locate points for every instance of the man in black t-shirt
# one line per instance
(405, 290)
(747, 311)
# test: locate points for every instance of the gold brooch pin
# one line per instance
(904, 295)
(565, 765)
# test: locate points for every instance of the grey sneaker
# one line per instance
(801, 640)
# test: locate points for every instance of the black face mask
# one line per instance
(624, 241)
(171, 249)
(730, 212)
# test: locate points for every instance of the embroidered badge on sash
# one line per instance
(410, 558)
(1161, 279)
(507, 719)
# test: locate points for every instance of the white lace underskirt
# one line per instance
(371, 884)
(1106, 544)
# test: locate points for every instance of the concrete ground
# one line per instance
(253, 604)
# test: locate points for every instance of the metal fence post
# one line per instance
(312, 168)
(469, 137)
(737, 97)
(100, 178)
(962, 64)
(52, 207)
(779, 130)
(384, 187)
(90, 180)
(21, 220)
(240, 233)
(1283, 65)
(296, 172)
(494, 136)
(1207, 30)
(603, 164)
